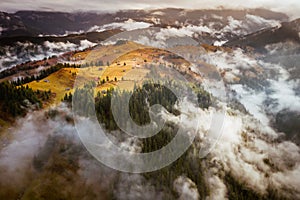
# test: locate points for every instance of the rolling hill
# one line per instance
(126, 69)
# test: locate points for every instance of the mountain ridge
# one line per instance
(33, 23)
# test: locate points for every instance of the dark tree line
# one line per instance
(93, 64)
(68, 97)
(28, 79)
(28, 65)
(15, 100)
(44, 73)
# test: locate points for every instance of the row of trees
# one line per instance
(94, 64)
(44, 73)
(28, 65)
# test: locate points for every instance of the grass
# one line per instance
(128, 66)
(151, 55)
(109, 53)
(64, 80)
(57, 82)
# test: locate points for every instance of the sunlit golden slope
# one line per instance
(126, 69)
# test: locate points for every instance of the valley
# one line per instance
(166, 103)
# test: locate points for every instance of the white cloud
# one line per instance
(247, 150)
(128, 25)
(261, 21)
(276, 91)
(246, 26)
(252, 100)
(186, 188)
(27, 137)
(217, 187)
(86, 44)
(219, 43)
(58, 46)
(31, 52)
(189, 31)
(158, 13)
(65, 34)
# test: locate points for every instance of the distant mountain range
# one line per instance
(73, 38)
(33, 23)
(288, 31)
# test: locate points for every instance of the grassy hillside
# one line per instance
(109, 53)
(62, 81)
(129, 65)
(57, 82)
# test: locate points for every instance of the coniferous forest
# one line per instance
(143, 97)
(15, 101)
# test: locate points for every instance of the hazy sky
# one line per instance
(290, 7)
